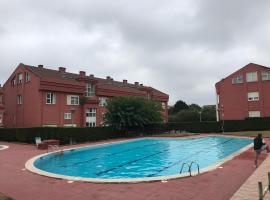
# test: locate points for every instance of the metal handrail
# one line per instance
(189, 167)
(198, 167)
(183, 167)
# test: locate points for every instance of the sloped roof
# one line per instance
(246, 66)
(71, 78)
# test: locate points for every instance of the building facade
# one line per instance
(245, 93)
(1, 106)
(36, 96)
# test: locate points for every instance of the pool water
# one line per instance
(141, 158)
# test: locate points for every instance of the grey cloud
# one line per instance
(180, 47)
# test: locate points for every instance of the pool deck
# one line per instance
(219, 184)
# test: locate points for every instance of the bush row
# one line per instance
(79, 135)
(65, 135)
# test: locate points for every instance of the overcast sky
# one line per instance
(181, 47)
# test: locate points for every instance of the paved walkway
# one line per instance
(249, 190)
(20, 184)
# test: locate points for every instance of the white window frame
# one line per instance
(254, 113)
(103, 101)
(19, 99)
(253, 96)
(70, 125)
(50, 98)
(20, 78)
(90, 124)
(91, 112)
(237, 79)
(90, 90)
(27, 77)
(13, 81)
(67, 116)
(73, 100)
(163, 105)
(265, 76)
(252, 76)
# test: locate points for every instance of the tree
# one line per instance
(187, 115)
(209, 113)
(194, 106)
(126, 112)
(179, 105)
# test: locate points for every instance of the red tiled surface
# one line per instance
(219, 184)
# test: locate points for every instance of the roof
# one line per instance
(102, 84)
(246, 66)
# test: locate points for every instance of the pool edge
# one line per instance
(29, 165)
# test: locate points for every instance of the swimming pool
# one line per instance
(138, 160)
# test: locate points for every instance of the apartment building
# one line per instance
(38, 96)
(245, 93)
(1, 106)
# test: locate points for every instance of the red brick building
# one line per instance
(244, 93)
(36, 96)
(1, 106)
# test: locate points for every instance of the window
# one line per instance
(1, 99)
(254, 113)
(237, 79)
(91, 112)
(67, 115)
(253, 96)
(19, 99)
(20, 78)
(1, 118)
(13, 81)
(265, 76)
(70, 125)
(50, 98)
(73, 100)
(90, 90)
(90, 124)
(103, 101)
(27, 77)
(163, 105)
(148, 96)
(252, 77)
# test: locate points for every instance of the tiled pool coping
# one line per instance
(30, 166)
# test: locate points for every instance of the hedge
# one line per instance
(65, 135)
(79, 135)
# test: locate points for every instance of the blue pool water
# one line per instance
(141, 158)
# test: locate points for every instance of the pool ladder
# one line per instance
(189, 167)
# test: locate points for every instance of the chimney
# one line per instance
(108, 77)
(82, 73)
(62, 69)
(125, 81)
(111, 79)
(137, 83)
(91, 75)
(0, 85)
(40, 66)
(141, 84)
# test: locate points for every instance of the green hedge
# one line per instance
(79, 135)
(65, 135)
